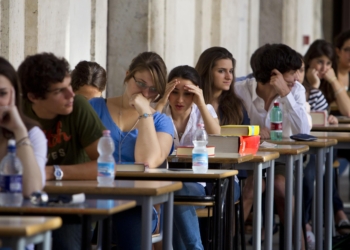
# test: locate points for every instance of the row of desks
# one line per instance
(137, 191)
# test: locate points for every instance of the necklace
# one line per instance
(120, 132)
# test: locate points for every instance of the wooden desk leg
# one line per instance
(86, 232)
(168, 222)
(288, 212)
(106, 235)
(329, 199)
(298, 202)
(270, 180)
(319, 199)
(147, 211)
(257, 206)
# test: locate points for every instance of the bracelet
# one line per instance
(145, 115)
(24, 142)
(21, 140)
(338, 91)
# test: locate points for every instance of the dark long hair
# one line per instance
(185, 72)
(88, 73)
(9, 72)
(230, 110)
(322, 48)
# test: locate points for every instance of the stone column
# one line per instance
(156, 27)
(12, 31)
(99, 32)
(127, 37)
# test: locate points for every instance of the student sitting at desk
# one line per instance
(183, 102)
(317, 102)
(71, 126)
(275, 73)
(139, 133)
(89, 79)
(320, 58)
(31, 146)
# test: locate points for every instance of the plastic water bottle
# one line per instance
(200, 152)
(276, 122)
(105, 162)
(11, 177)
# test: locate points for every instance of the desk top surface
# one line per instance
(287, 149)
(319, 143)
(265, 156)
(89, 207)
(339, 136)
(341, 127)
(343, 119)
(178, 174)
(230, 158)
(119, 187)
(16, 226)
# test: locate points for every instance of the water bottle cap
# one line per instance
(106, 132)
(200, 125)
(276, 104)
(11, 142)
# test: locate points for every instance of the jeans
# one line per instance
(186, 233)
(67, 237)
(126, 228)
(308, 189)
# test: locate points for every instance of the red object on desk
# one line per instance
(249, 144)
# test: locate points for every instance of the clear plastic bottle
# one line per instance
(105, 162)
(11, 177)
(200, 152)
(276, 118)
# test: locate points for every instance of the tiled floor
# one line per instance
(344, 195)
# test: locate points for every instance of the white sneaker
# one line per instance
(310, 238)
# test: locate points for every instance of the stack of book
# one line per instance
(243, 139)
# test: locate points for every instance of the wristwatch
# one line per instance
(58, 173)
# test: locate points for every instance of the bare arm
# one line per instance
(82, 171)
(11, 120)
(151, 147)
(164, 100)
(211, 124)
(341, 97)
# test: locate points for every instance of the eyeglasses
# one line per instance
(152, 90)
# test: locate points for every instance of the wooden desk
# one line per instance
(343, 138)
(256, 163)
(90, 210)
(289, 154)
(216, 175)
(320, 147)
(17, 232)
(260, 161)
(146, 194)
(343, 119)
(222, 158)
(342, 127)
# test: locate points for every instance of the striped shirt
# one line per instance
(317, 100)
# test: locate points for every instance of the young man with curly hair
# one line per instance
(71, 126)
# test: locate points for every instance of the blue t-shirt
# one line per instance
(127, 140)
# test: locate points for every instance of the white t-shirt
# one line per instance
(39, 142)
(191, 127)
(295, 117)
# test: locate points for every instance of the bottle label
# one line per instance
(200, 159)
(11, 183)
(276, 126)
(105, 169)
